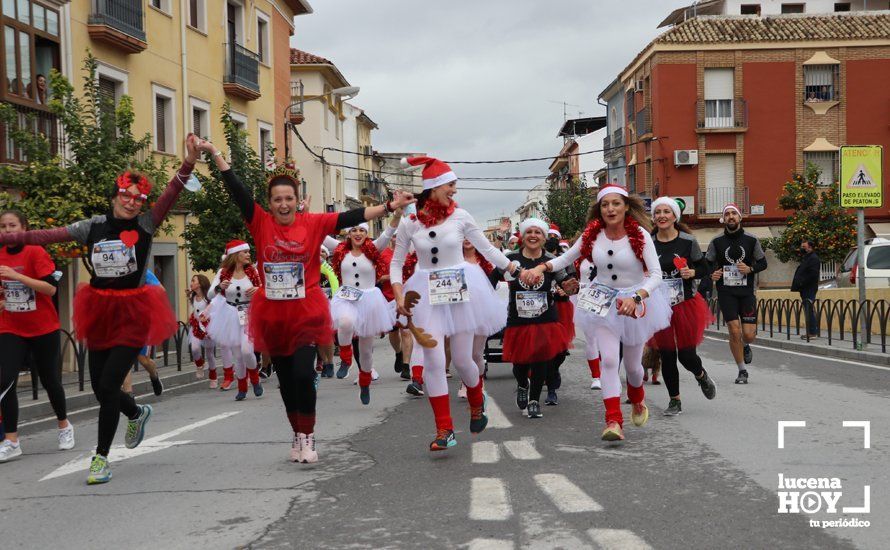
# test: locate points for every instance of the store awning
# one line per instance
(880, 229)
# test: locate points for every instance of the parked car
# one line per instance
(877, 265)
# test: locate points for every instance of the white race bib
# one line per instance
(531, 304)
(733, 277)
(349, 293)
(112, 259)
(19, 298)
(597, 299)
(675, 286)
(448, 286)
(284, 281)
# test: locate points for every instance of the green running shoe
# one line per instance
(136, 427)
(99, 471)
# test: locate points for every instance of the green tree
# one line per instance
(568, 207)
(52, 190)
(215, 218)
(817, 216)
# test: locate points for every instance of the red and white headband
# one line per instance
(609, 189)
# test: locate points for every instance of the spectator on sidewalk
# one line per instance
(806, 281)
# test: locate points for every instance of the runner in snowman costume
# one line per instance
(201, 345)
(586, 277)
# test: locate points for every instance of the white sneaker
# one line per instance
(462, 392)
(9, 450)
(214, 384)
(374, 375)
(66, 438)
(296, 449)
(199, 373)
(595, 384)
(309, 453)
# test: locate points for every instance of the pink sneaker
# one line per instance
(296, 449)
(213, 384)
(462, 392)
(309, 453)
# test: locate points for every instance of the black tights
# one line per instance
(690, 361)
(46, 351)
(296, 376)
(108, 369)
(553, 378)
(537, 372)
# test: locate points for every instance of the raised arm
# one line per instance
(330, 243)
(473, 234)
(41, 236)
(352, 218)
(168, 198)
(239, 192)
(384, 238)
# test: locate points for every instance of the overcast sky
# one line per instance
(479, 80)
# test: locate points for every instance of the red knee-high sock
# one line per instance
(594, 365)
(474, 395)
(228, 373)
(242, 384)
(442, 411)
(346, 354)
(307, 423)
(364, 379)
(636, 394)
(295, 422)
(199, 362)
(212, 374)
(417, 374)
(254, 375)
(613, 410)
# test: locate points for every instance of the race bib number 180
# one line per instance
(531, 304)
(448, 286)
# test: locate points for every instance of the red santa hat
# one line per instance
(235, 246)
(554, 230)
(435, 172)
(564, 245)
(727, 208)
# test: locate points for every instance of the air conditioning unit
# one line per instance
(686, 157)
(639, 86)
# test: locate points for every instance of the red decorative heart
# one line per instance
(130, 238)
(680, 262)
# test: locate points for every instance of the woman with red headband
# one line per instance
(231, 292)
(454, 297)
(116, 314)
(628, 299)
(359, 308)
(289, 316)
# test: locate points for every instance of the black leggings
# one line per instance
(553, 378)
(690, 361)
(108, 369)
(296, 377)
(46, 351)
(538, 374)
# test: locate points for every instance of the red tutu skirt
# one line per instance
(688, 323)
(280, 327)
(105, 318)
(533, 343)
(566, 311)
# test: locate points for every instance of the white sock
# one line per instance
(741, 366)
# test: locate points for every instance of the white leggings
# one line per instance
(244, 359)
(479, 352)
(610, 353)
(365, 352)
(462, 347)
(593, 350)
(204, 349)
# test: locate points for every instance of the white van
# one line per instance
(877, 265)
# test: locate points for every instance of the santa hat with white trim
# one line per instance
(554, 230)
(435, 172)
(235, 246)
(730, 206)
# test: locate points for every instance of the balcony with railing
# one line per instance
(643, 123)
(613, 146)
(242, 77)
(39, 122)
(711, 200)
(119, 23)
(721, 115)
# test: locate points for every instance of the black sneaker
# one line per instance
(747, 354)
(742, 378)
(707, 385)
(534, 409)
(327, 371)
(398, 363)
(365, 395)
(521, 397)
(343, 370)
(406, 372)
(674, 408)
(156, 385)
(414, 389)
(444, 440)
(478, 418)
(552, 399)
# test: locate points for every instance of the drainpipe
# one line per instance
(186, 115)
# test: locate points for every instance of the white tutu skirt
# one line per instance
(627, 329)
(484, 314)
(224, 328)
(372, 315)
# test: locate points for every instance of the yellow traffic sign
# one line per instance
(861, 178)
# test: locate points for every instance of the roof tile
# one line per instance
(299, 57)
(736, 29)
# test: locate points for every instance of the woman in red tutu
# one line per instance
(116, 314)
(534, 337)
(290, 316)
(681, 263)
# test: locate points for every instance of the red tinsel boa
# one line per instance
(249, 270)
(483, 263)
(410, 266)
(592, 231)
(434, 213)
(196, 327)
(368, 249)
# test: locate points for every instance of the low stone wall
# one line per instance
(840, 295)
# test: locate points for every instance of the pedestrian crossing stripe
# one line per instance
(861, 178)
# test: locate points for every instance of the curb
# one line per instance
(803, 347)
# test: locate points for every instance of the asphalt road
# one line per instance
(214, 473)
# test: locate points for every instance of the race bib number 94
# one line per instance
(113, 259)
(19, 298)
(284, 281)
(448, 286)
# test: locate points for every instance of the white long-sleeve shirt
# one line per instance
(380, 242)
(236, 294)
(357, 271)
(441, 246)
(616, 264)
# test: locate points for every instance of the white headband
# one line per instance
(361, 226)
(528, 223)
(670, 203)
(610, 189)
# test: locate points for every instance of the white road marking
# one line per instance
(811, 355)
(486, 452)
(496, 417)
(120, 453)
(490, 544)
(565, 495)
(523, 449)
(619, 539)
(489, 500)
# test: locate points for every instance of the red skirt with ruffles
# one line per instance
(688, 322)
(533, 343)
(280, 327)
(137, 317)
(566, 312)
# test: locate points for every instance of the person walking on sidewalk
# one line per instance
(806, 281)
(737, 256)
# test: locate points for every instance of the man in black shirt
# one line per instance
(806, 281)
(737, 255)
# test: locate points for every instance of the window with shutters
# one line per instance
(821, 83)
(826, 162)
(163, 5)
(719, 182)
(262, 37)
(31, 49)
(239, 120)
(266, 146)
(198, 15)
(719, 98)
(161, 123)
(200, 117)
(792, 8)
(165, 119)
